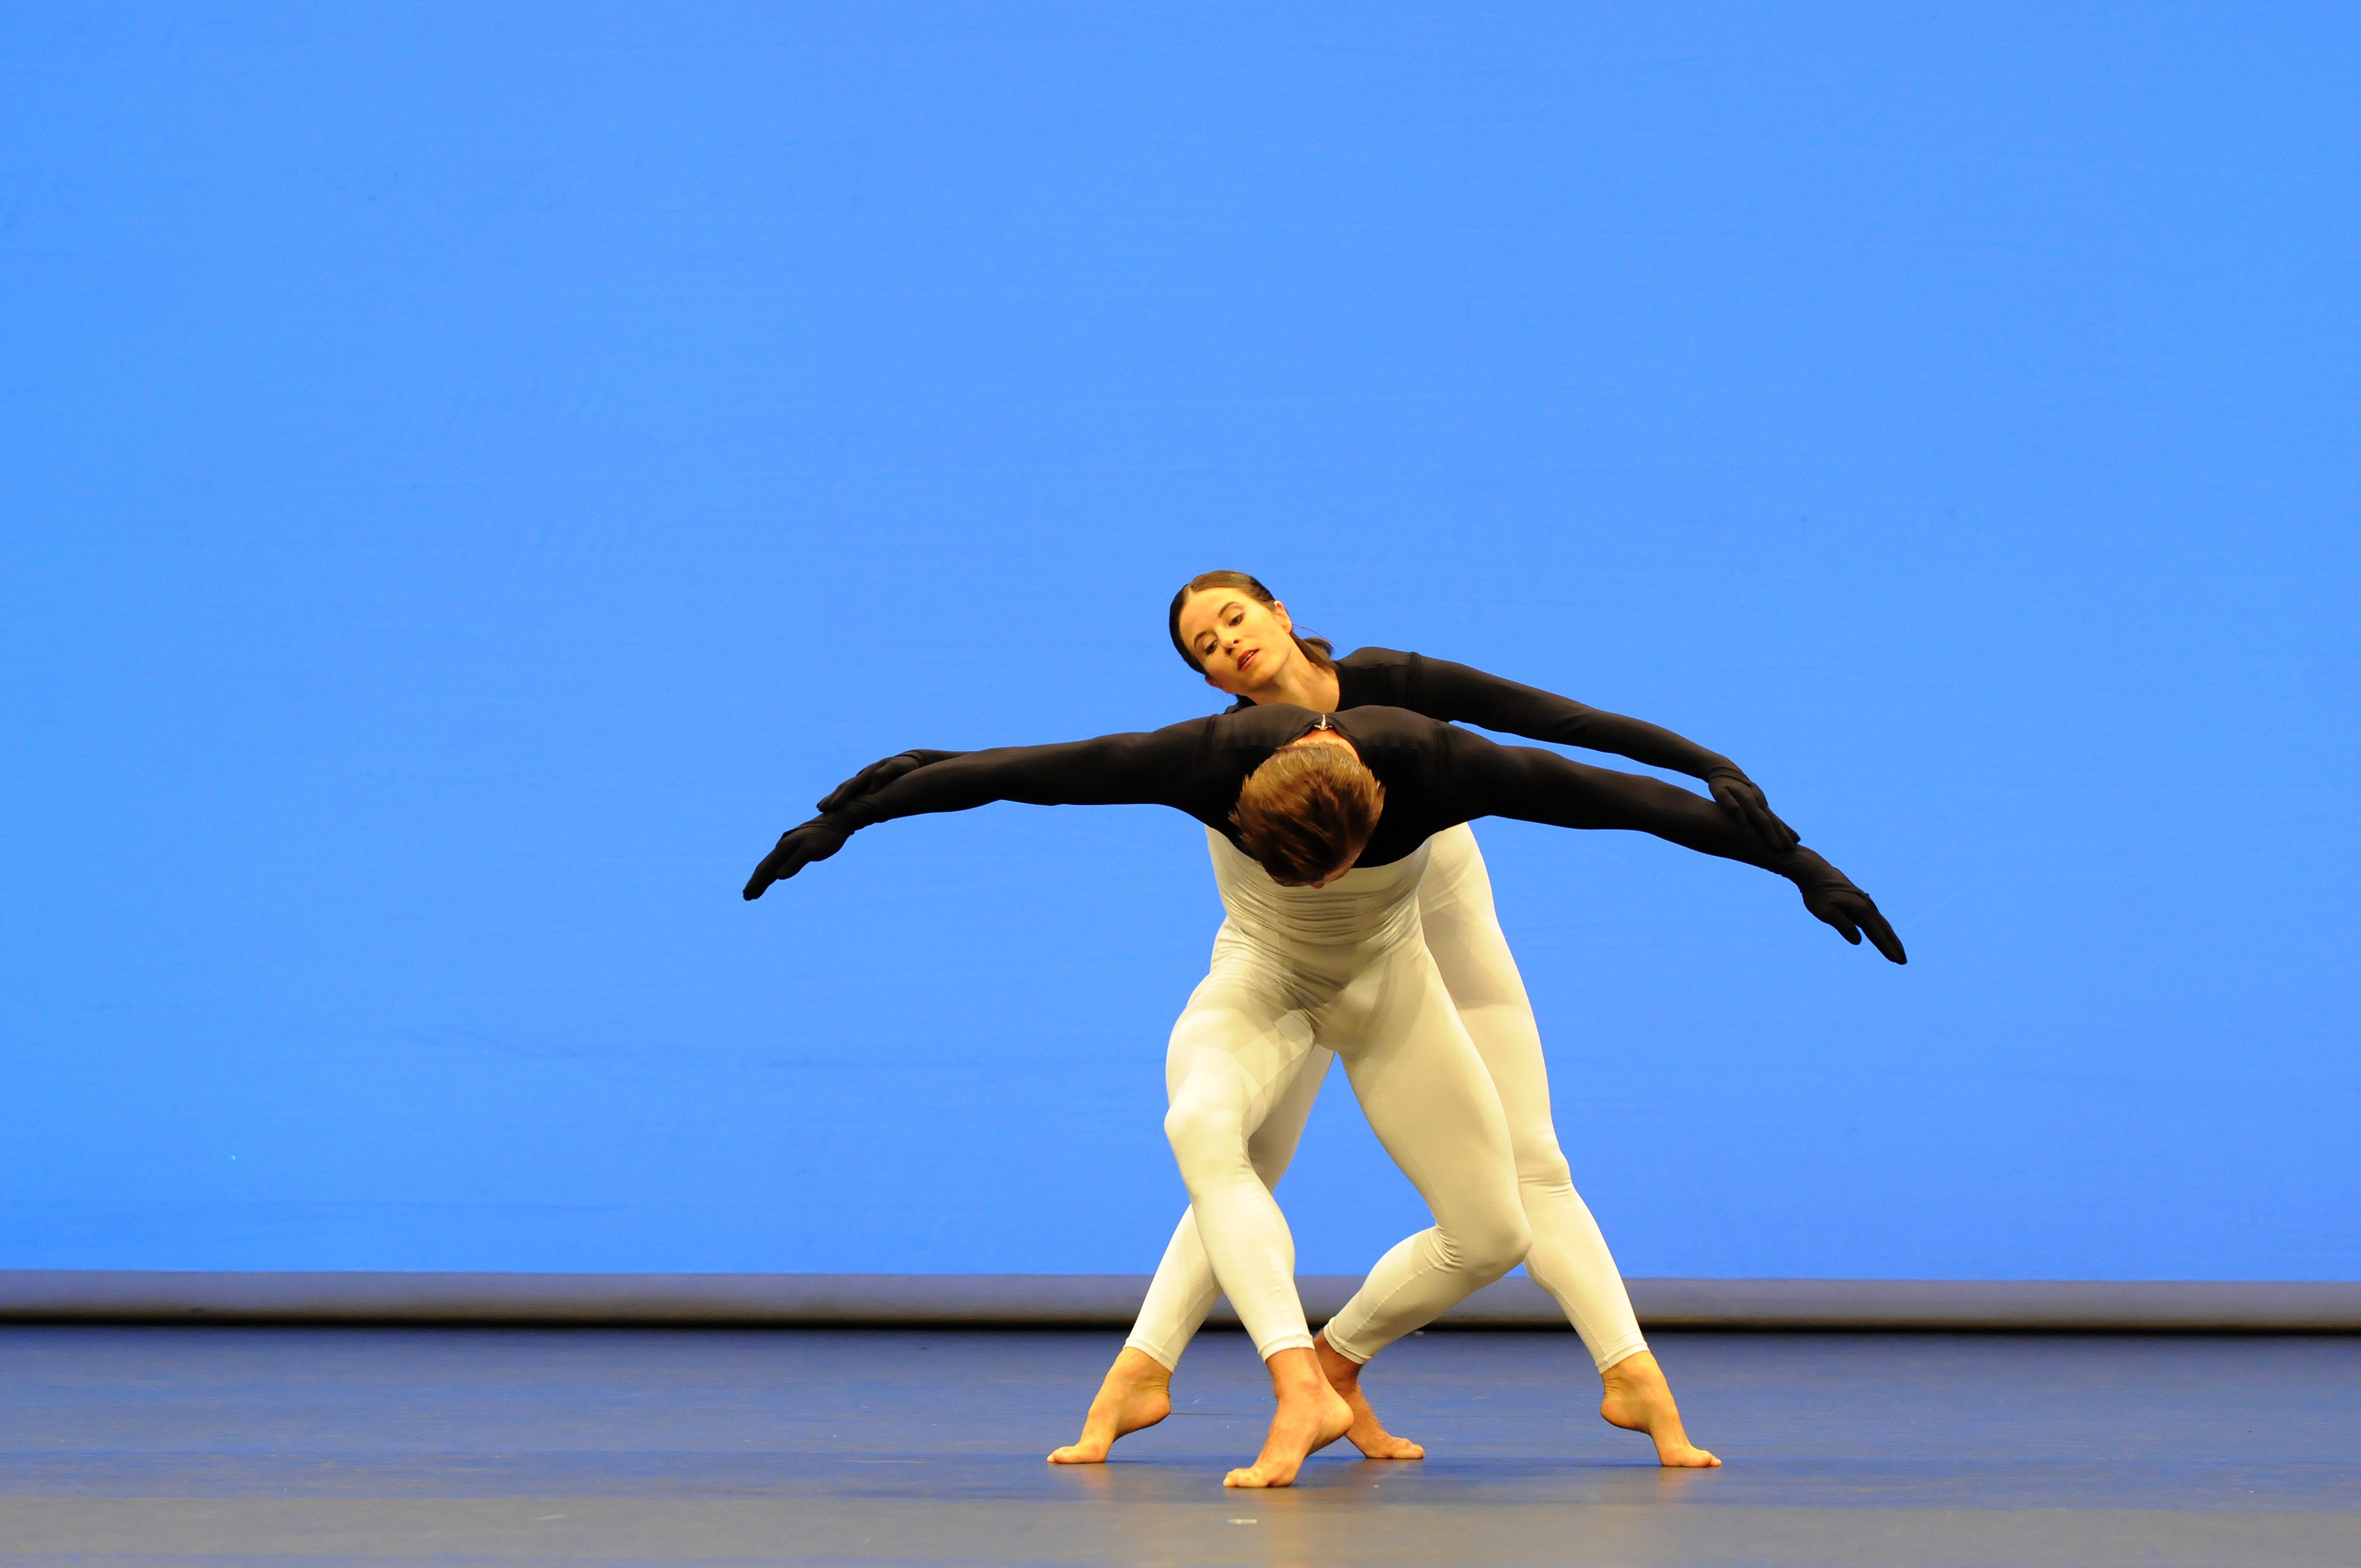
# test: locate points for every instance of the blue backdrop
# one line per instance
(474, 476)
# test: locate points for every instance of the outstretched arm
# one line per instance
(1449, 691)
(1541, 786)
(1141, 769)
(877, 775)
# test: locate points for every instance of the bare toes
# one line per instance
(1389, 1448)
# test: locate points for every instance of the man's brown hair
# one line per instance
(1307, 811)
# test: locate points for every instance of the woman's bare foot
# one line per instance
(1369, 1434)
(1311, 1416)
(1137, 1393)
(1639, 1400)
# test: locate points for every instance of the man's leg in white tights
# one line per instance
(1427, 1096)
(1569, 1257)
(1232, 1057)
(1184, 1289)
(1137, 1390)
(1235, 1051)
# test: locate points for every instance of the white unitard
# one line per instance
(1345, 969)
(1286, 1057)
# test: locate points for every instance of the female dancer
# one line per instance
(1347, 806)
(1234, 632)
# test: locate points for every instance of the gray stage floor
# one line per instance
(153, 1446)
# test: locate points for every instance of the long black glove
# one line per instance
(1832, 898)
(877, 776)
(1742, 798)
(797, 847)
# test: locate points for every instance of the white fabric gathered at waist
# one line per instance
(1367, 906)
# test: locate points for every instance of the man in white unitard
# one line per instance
(1568, 1257)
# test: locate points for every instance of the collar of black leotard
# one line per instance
(1322, 721)
(1308, 721)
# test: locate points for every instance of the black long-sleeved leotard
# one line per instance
(1435, 777)
(1386, 677)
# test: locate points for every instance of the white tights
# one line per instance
(1439, 1041)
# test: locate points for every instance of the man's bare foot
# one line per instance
(1639, 1400)
(1311, 1416)
(1137, 1393)
(1369, 1434)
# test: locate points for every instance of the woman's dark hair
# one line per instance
(1318, 650)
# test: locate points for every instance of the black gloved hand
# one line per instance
(1832, 898)
(797, 847)
(1742, 798)
(877, 776)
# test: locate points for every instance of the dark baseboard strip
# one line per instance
(1109, 1301)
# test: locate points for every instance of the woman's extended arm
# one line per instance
(1535, 785)
(877, 775)
(1157, 767)
(1449, 691)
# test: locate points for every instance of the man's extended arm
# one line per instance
(1152, 769)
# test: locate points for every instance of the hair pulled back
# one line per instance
(1318, 650)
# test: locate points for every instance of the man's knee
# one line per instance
(1507, 1245)
(1488, 1249)
(1540, 1164)
(1205, 1137)
(1269, 1160)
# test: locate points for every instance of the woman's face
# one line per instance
(1242, 643)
